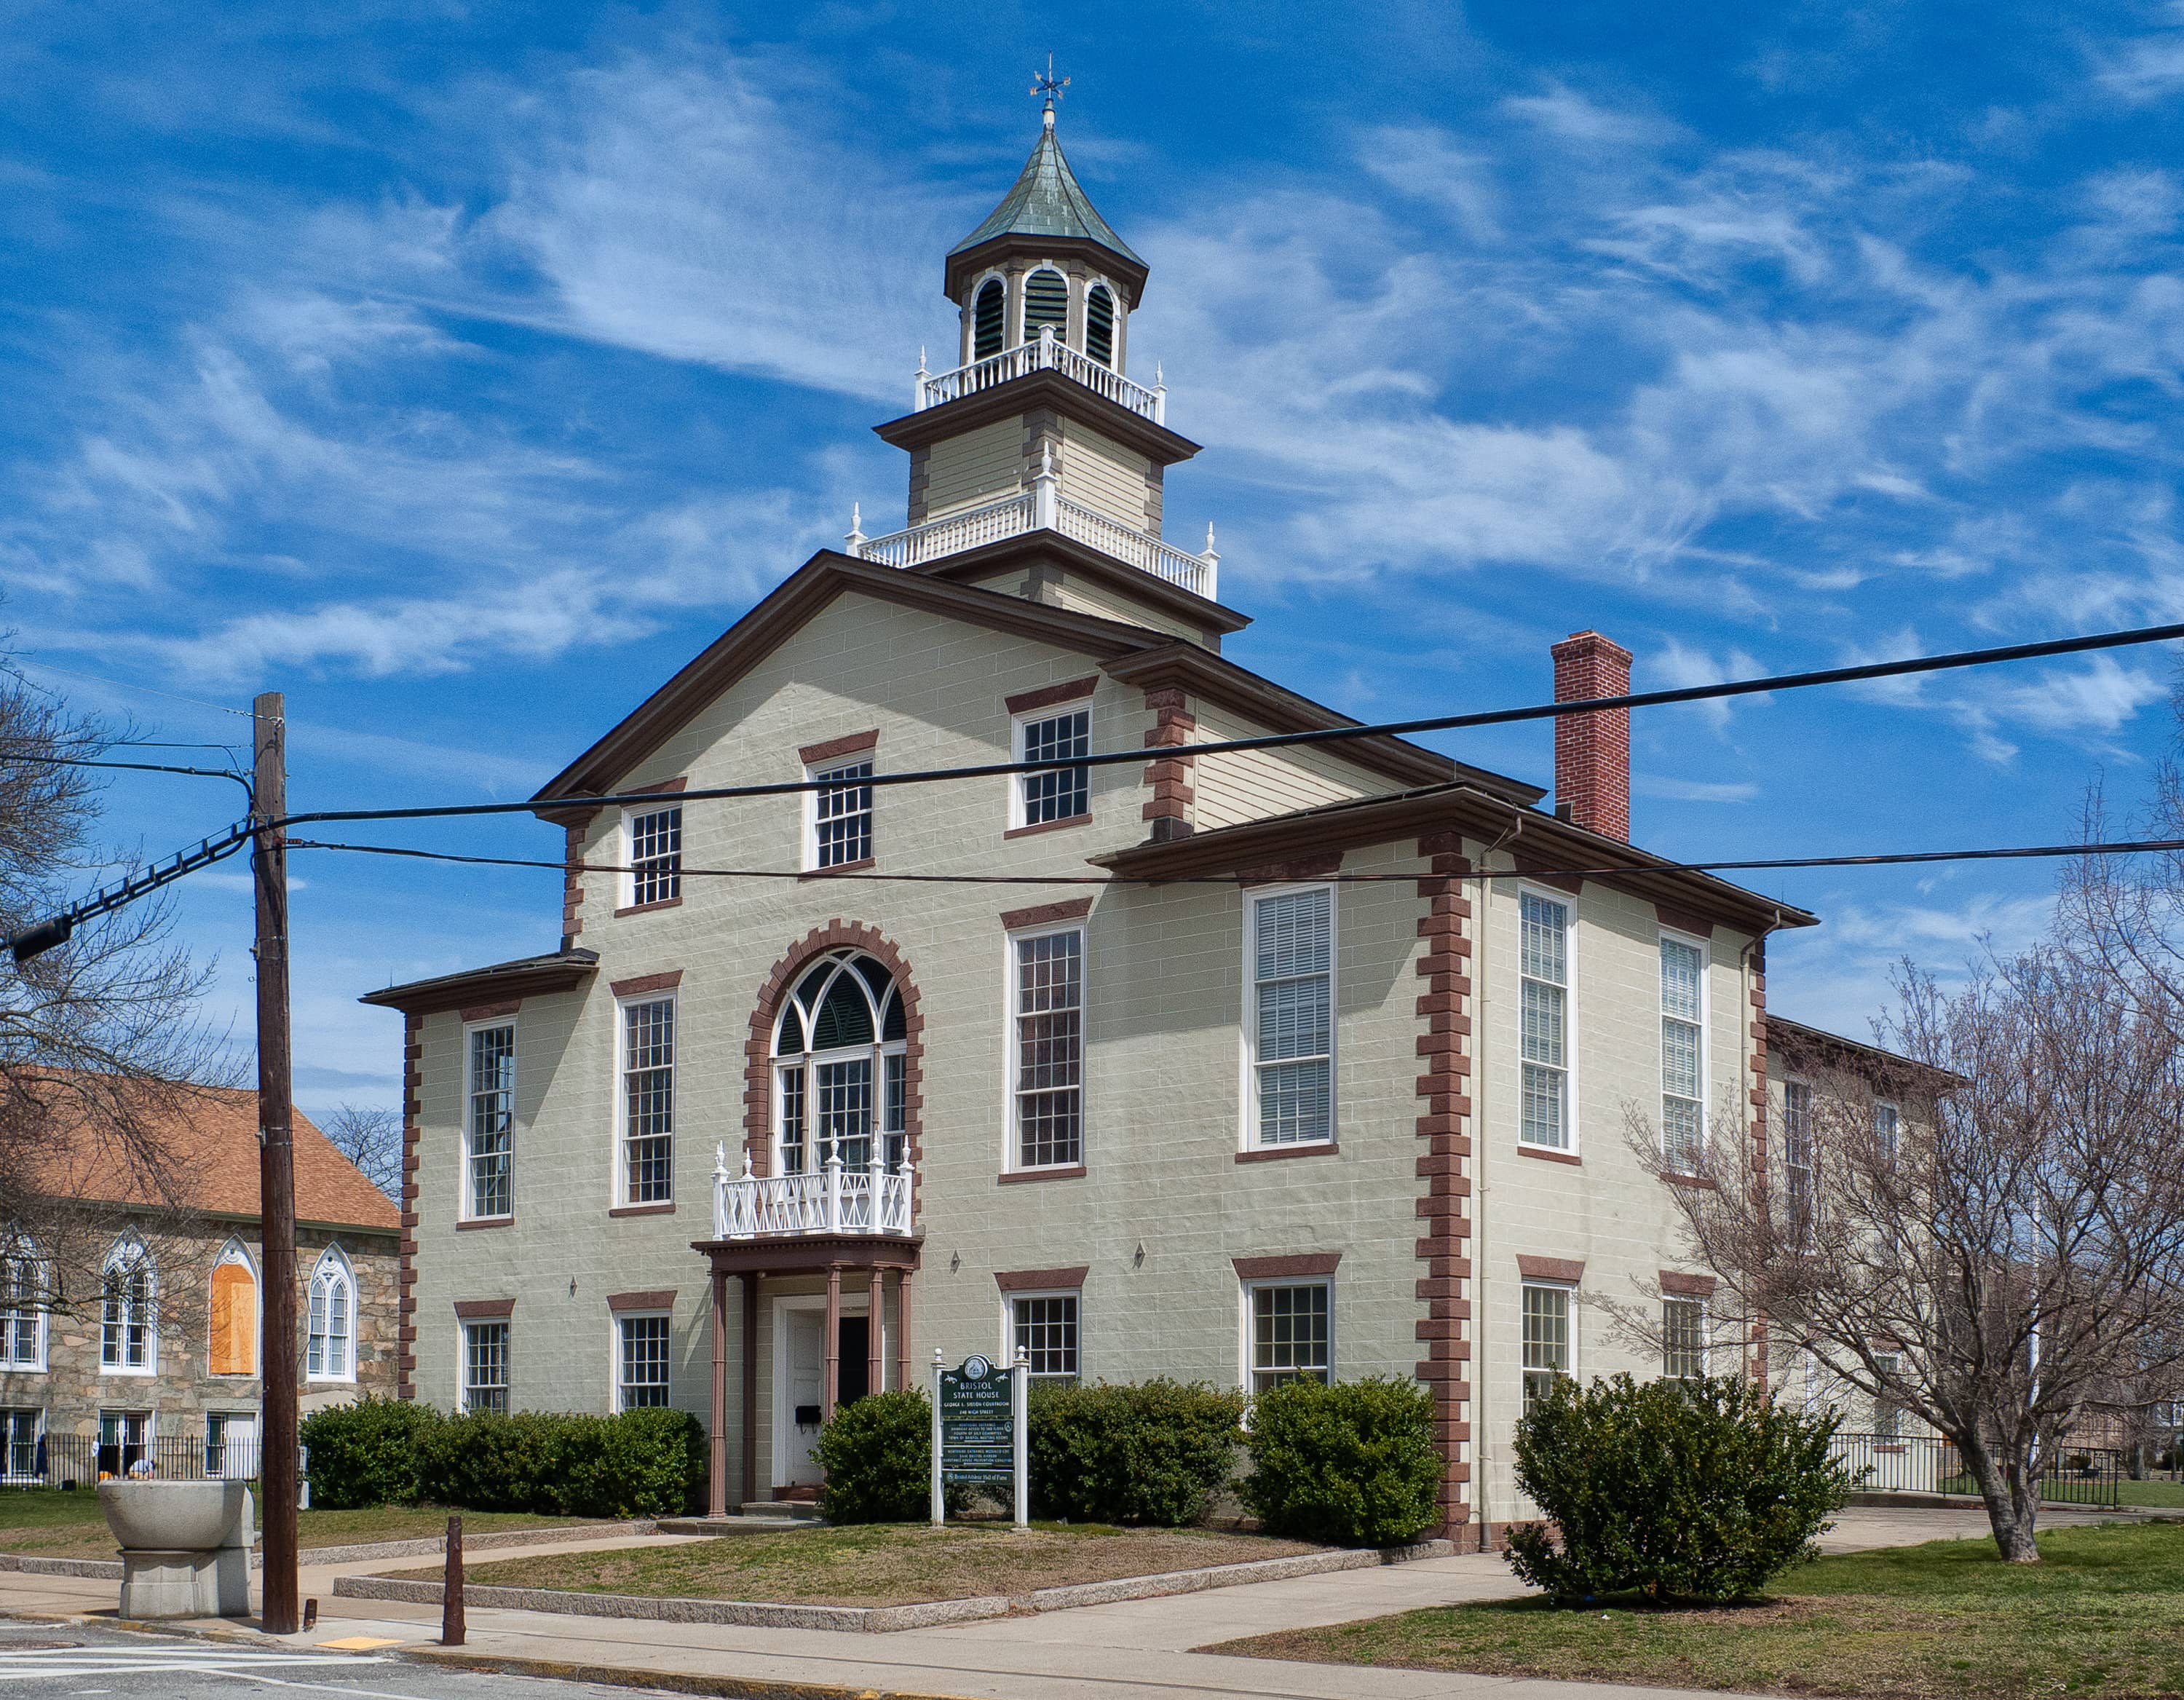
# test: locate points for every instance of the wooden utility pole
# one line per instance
(277, 1167)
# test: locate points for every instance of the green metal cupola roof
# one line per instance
(1047, 211)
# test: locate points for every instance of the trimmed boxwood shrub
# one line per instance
(1699, 1489)
(1353, 1464)
(365, 1454)
(1156, 1452)
(877, 1455)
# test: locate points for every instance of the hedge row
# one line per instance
(395, 1452)
(1353, 1464)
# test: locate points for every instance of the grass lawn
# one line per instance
(2159, 1493)
(883, 1564)
(2101, 1617)
(54, 1524)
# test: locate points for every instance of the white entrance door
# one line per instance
(800, 1387)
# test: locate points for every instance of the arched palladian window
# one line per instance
(1099, 325)
(331, 1352)
(989, 319)
(232, 1334)
(1047, 302)
(128, 1338)
(23, 1304)
(838, 1074)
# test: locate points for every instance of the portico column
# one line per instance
(716, 1490)
(902, 1329)
(875, 1330)
(834, 1386)
(750, 1388)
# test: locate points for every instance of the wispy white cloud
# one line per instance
(1693, 790)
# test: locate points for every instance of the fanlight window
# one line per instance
(989, 319)
(1099, 325)
(1047, 302)
(838, 1049)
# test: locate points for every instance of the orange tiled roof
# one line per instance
(214, 1140)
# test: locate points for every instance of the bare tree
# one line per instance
(1989, 1241)
(371, 1139)
(102, 1051)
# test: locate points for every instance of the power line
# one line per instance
(59, 928)
(1284, 740)
(1597, 870)
(131, 767)
(125, 685)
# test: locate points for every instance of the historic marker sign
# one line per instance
(978, 1429)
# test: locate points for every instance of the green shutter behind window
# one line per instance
(1099, 325)
(986, 320)
(1047, 302)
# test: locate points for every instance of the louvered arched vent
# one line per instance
(1047, 302)
(1099, 325)
(986, 320)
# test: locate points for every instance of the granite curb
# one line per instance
(882, 1620)
(363, 1552)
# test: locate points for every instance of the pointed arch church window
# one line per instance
(988, 318)
(1099, 325)
(1047, 302)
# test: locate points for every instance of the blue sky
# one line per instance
(460, 371)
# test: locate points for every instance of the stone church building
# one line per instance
(1304, 1060)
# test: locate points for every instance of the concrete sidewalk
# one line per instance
(1136, 1650)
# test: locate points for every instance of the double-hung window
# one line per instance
(19, 1444)
(1887, 1415)
(1291, 1334)
(1683, 1054)
(1546, 1339)
(1049, 1042)
(1683, 1339)
(1292, 1018)
(1797, 1161)
(641, 1349)
(1044, 1327)
(1053, 793)
(485, 1366)
(648, 1101)
(128, 1339)
(1544, 967)
(489, 1181)
(124, 1440)
(22, 1311)
(231, 1445)
(841, 814)
(329, 1341)
(1887, 1125)
(656, 857)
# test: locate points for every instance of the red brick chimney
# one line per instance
(1592, 751)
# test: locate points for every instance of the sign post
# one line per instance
(979, 1429)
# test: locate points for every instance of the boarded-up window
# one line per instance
(234, 1347)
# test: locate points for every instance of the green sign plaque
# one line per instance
(978, 1429)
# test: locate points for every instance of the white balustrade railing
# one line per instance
(1049, 354)
(831, 1200)
(1041, 508)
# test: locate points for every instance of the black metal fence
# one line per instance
(1926, 1464)
(71, 1461)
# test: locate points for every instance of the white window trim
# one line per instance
(150, 1366)
(971, 355)
(626, 886)
(1009, 1326)
(618, 1197)
(1572, 1370)
(463, 1327)
(614, 1320)
(235, 1251)
(1568, 903)
(41, 1325)
(334, 1259)
(463, 1212)
(815, 771)
(1896, 1122)
(1012, 990)
(1706, 1332)
(38, 1433)
(1705, 1023)
(1248, 1023)
(1248, 1380)
(1019, 725)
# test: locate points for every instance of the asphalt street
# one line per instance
(42, 1660)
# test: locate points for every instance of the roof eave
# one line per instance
(964, 264)
(525, 978)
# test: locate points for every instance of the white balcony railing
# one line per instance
(1041, 508)
(1049, 354)
(833, 1200)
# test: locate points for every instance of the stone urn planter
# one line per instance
(184, 1547)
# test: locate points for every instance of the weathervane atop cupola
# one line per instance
(1046, 83)
(1035, 438)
